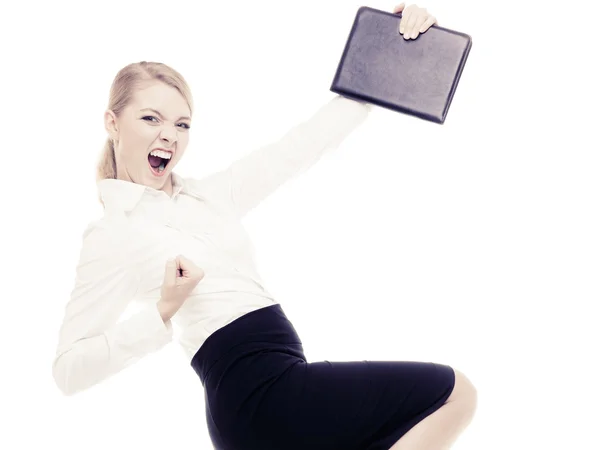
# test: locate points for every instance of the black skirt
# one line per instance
(262, 394)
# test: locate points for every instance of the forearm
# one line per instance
(259, 173)
(166, 312)
(87, 361)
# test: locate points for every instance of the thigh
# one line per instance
(351, 404)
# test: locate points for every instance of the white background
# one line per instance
(473, 244)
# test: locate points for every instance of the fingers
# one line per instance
(429, 21)
(403, 27)
(189, 269)
(410, 29)
(184, 265)
(415, 20)
(398, 8)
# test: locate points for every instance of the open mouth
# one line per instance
(159, 160)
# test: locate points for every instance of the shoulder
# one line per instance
(198, 187)
(215, 190)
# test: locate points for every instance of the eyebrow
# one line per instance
(156, 112)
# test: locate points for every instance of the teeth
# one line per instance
(160, 153)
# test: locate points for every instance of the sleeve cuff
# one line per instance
(360, 103)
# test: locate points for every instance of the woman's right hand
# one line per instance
(181, 277)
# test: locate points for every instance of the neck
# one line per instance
(168, 187)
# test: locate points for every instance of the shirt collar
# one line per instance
(125, 195)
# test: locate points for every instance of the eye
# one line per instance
(185, 125)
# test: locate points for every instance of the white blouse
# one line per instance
(123, 254)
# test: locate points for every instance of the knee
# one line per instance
(464, 392)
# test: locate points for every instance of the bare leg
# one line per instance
(439, 430)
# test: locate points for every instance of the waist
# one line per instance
(201, 315)
(264, 328)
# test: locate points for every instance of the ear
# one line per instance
(110, 124)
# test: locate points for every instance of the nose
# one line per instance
(168, 134)
(167, 140)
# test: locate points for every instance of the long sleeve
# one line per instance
(250, 179)
(92, 345)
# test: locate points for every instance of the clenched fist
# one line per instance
(181, 277)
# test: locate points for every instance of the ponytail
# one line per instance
(107, 166)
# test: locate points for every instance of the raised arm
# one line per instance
(250, 179)
(92, 346)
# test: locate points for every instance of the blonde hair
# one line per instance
(127, 80)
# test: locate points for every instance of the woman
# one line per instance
(260, 391)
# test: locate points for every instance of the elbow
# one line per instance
(62, 372)
(60, 375)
